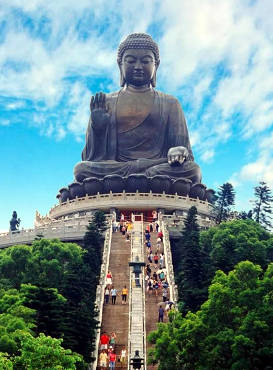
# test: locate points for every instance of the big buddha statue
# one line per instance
(138, 132)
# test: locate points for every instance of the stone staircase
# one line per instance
(115, 318)
(152, 302)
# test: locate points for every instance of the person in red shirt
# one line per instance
(112, 360)
(104, 341)
(160, 235)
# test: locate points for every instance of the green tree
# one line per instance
(262, 210)
(13, 265)
(5, 362)
(45, 263)
(50, 261)
(81, 289)
(14, 318)
(99, 221)
(232, 330)
(245, 215)
(225, 197)
(50, 307)
(45, 353)
(190, 273)
(63, 279)
(235, 241)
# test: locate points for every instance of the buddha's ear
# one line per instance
(153, 80)
(122, 79)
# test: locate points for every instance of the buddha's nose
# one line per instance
(138, 65)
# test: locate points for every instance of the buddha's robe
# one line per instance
(142, 148)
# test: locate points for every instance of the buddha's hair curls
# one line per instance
(138, 41)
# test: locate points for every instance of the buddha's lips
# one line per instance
(138, 74)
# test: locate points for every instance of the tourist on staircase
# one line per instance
(103, 357)
(109, 279)
(114, 294)
(106, 295)
(123, 356)
(112, 360)
(112, 341)
(124, 294)
(160, 235)
(161, 314)
(104, 341)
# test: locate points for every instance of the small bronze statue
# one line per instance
(14, 222)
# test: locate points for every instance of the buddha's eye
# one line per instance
(130, 61)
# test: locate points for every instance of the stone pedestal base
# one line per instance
(158, 184)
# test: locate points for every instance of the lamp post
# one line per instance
(137, 269)
(137, 362)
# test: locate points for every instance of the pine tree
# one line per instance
(225, 198)
(99, 221)
(191, 276)
(262, 210)
(243, 215)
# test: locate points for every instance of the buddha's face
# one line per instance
(138, 66)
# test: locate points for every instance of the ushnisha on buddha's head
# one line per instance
(138, 60)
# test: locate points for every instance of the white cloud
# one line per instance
(207, 155)
(261, 167)
(79, 101)
(61, 133)
(217, 56)
(15, 105)
(4, 122)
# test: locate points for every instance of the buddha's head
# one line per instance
(138, 60)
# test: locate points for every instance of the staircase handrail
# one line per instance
(101, 288)
(169, 263)
(142, 282)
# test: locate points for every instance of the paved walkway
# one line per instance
(116, 317)
(152, 301)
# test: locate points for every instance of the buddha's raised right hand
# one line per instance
(99, 112)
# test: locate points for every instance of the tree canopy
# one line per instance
(225, 197)
(263, 202)
(47, 297)
(190, 275)
(232, 330)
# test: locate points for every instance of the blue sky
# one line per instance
(216, 58)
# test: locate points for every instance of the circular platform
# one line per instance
(130, 201)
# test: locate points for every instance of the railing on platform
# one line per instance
(129, 201)
(176, 221)
(65, 230)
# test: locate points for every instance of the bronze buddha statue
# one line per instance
(138, 130)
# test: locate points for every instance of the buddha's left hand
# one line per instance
(177, 155)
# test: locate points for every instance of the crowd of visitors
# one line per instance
(125, 227)
(108, 356)
(156, 285)
(155, 270)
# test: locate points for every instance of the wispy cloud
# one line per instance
(216, 56)
(260, 168)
